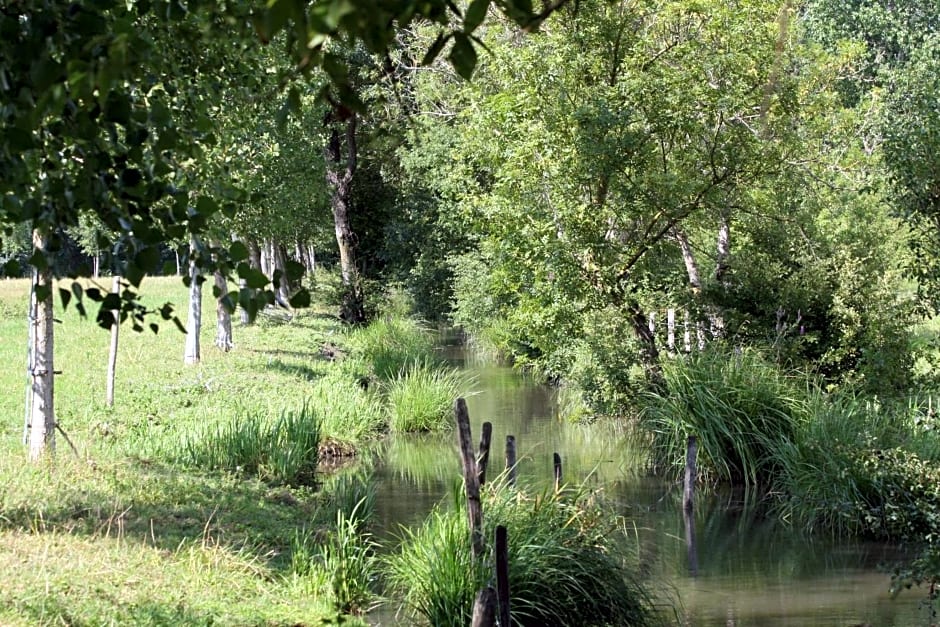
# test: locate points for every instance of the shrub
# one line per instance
(566, 565)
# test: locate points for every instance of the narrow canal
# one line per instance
(747, 569)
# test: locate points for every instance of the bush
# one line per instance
(568, 563)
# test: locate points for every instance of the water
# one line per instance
(745, 570)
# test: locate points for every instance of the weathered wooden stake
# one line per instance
(470, 477)
(502, 574)
(484, 608)
(688, 493)
(690, 544)
(484, 457)
(511, 460)
(557, 459)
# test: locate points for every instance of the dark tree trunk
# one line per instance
(223, 327)
(649, 354)
(339, 176)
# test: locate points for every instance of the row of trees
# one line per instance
(769, 165)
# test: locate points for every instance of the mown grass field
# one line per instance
(123, 533)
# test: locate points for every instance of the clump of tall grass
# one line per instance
(739, 406)
(281, 450)
(568, 563)
(421, 397)
(344, 564)
(346, 410)
(390, 344)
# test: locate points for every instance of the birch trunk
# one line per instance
(41, 428)
(191, 355)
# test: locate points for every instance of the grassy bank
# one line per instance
(197, 498)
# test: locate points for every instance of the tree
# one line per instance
(617, 124)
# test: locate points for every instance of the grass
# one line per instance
(283, 450)
(740, 408)
(390, 345)
(421, 397)
(126, 532)
(569, 562)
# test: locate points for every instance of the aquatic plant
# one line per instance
(568, 563)
(421, 397)
(738, 405)
(391, 344)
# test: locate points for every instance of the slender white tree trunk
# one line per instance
(41, 430)
(112, 354)
(194, 322)
(223, 327)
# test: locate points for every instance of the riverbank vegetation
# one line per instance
(215, 477)
(766, 171)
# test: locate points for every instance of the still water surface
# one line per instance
(746, 570)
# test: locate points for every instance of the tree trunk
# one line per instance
(254, 261)
(112, 354)
(688, 257)
(41, 428)
(284, 288)
(339, 177)
(649, 354)
(223, 327)
(194, 323)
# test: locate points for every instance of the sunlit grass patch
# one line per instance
(59, 578)
(390, 344)
(421, 397)
(283, 449)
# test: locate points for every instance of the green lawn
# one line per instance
(123, 533)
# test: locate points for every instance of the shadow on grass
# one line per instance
(166, 506)
(297, 370)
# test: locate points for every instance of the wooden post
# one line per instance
(470, 477)
(502, 574)
(484, 608)
(690, 544)
(688, 493)
(511, 460)
(557, 460)
(687, 333)
(484, 457)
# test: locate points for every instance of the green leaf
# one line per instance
(295, 270)
(463, 56)
(301, 299)
(206, 206)
(77, 290)
(475, 15)
(435, 49)
(66, 297)
(237, 252)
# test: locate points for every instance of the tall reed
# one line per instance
(568, 563)
(391, 344)
(283, 450)
(739, 406)
(421, 397)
